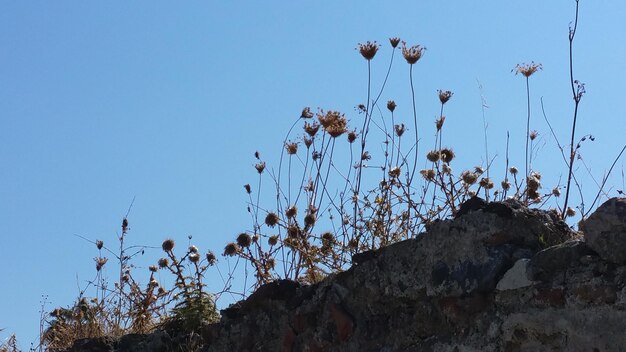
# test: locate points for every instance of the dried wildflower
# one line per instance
(194, 257)
(506, 185)
(478, 170)
(244, 240)
(293, 231)
(247, 188)
(532, 135)
(486, 183)
(272, 240)
(533, 183)
(153, 268)
(556, 192)
(271, 219)
(257, 155)
(334, 123)
(394, 172)
(193, 249)
(161, 291)
(153, 283)
(361, 108)
(353, 243)
(533, 194)
(468, 177)
(306, 113)
(527, 69)
(260, 167)
(394, 42)
(210, 258)
(513, 170)
(307, 142)
(433, 156)
(125, 278)
(309, 220)
(412, 54)
(124, 225)
(271, 263)
(446, 169)
(99, 244)
(570, 212)
(163, 263)
(391, 105)
(428, 174)
(444, 95)
(400, 129)
(291, 212)
(368, 50)
(328, 238)
(231, 249)
(366, 156)
(100, 261)
(447, 155)
(439, 122)
(168, 245)
(351, 136)
(292, 148)
(311, 128)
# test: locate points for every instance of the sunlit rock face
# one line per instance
(498, 277)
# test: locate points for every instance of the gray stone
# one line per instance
(516, 277)
(605, 230)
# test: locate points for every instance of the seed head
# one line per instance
(99, 244)
(273, 240)
(244, 240)
(447, 155)
(400, 129)
(163, 263)
(309, 220)
(328, 237)
(194, 257)
(351, 136)
(271, 219)
(433, 156)
(271, 263)
(292, 148)
(444, 96)
(506, 185)
(439, 122)
(100, 261)
(168, 245)
(311, 128)
(291, 212)
(247, 188)
(412, 54)
(260, 167)
(428, 174)
(306, 113)
(293, 231)
(153, 268)
(570, 212)
(391, 105)
(556, 191)
(334, 123)
(210, 258)
(486, 183)
(533, 183)
(193, 249)
(307, 142)
(527, 69)
(394, 172)
(368, 50)
(532, 135)
(231, 249)
(469, 177)
(394, 41)
(446, 169)
(124, 225)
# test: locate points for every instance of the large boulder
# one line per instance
(605, 230)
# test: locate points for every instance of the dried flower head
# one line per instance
(527, 69)
(247, 188)
(439, 122)
(532, 135)
(307, 142)
(271, 219)
(193, 249)
(352, 136)
(292, 148)
(194, 257)
(433, 156)
(391, 105)
(100, 261)
(447, 155)
(428, 174)
(309, 219)
(446, 169)
(271, 263)
(394, 172)
(272, 240)
(556, 192)
(533, 182)
(328, 237)
(506, 185)
(210, 258)
(163, 263)
(231, 249)
(513, 170)
(293, 231)
(486, 183)
(99, 244)
(260, 167)
(334, 123)
(412, 54)
(306, 113)
(394, 41)
(168, 245)
(244, 240)
(570, 212)
(311, 128)
(291, 212)
(469, 177)
(400, 129)
(368, 50)
(444, 95)
(153, 268)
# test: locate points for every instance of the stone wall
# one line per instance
(498, 277)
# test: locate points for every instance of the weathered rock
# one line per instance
(605, 230)
(481, 282)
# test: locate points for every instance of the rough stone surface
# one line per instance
(605, 230)
(436, 292)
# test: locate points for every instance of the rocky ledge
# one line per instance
(498, 277)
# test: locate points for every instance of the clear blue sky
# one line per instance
(101, 102)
